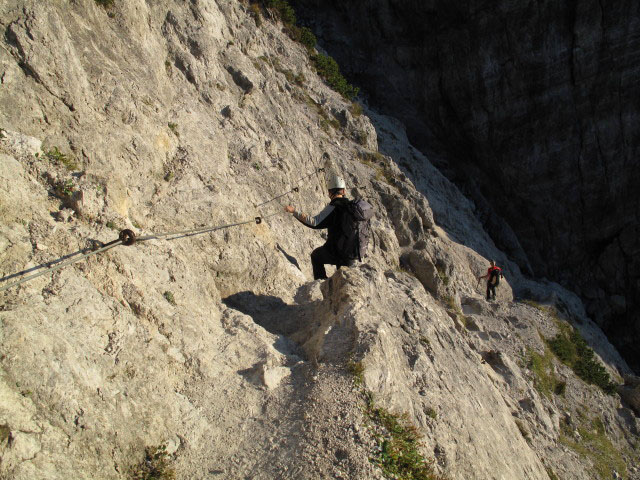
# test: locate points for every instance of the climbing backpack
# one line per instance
(355, 229)
(494, 276)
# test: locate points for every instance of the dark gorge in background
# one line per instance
(533, 108)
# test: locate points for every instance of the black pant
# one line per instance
(491, 289)
(322, 256)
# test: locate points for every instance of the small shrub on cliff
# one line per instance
(326, 66)
(285, 11)
(105, 3)
(174, 128)
(572, 350)
(328, 69)
(356, 109)
(254, 11)
(65, 189)
(155, 466)
(55, 155)
(304, 36)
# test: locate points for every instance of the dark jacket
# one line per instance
(330, 218)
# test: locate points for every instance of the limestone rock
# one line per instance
(217, 345)
(630, 392)
(479, 89)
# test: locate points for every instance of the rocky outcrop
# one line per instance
(531, 108)
(462, 376)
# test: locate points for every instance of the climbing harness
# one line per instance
(127, 238)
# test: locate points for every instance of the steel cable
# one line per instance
(294, 189)
(194, 231)
(106, 247)
(127, 237)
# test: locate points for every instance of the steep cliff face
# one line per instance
(217, 353)
(533, 108)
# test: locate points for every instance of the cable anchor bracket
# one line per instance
(127, 237)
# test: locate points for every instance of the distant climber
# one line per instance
(347, 224)
(493, 276)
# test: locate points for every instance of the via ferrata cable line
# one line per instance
(294, 189)
(104, 248)
(127, 237)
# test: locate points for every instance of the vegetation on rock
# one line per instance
(544, 379)
(325, 65)
(573, 351)
(588, 438)
(55, 155)
(329, 70)
(155, 466)
(398, 441)
(398, 445)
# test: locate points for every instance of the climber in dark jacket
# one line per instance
(493, 276)
(328, 218)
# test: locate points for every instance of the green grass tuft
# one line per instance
(65, 189)
(398, 446)
(169, 297)
(357, 370)
(155, 466)
(376, 160)
(551, 473)
(5, 434)
(56, 156)
(572, 350)
(594, 445)
(544, 380)
(524, 431)
(442, 275)
(174, 128)
(451, 304)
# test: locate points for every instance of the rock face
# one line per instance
(534, 110)
(218, 348)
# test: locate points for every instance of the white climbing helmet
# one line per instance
(335, 181)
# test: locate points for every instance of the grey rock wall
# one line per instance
(166, 116)
(533, 108)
